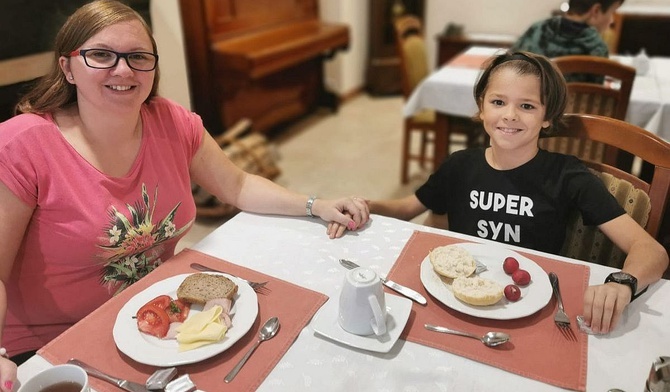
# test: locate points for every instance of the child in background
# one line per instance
(579, 31)
(516, 193)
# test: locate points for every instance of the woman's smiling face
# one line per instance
(512, 111)
(118, 87)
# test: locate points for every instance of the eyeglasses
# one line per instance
(104, 59)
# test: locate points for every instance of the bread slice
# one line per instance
(452, 261)
(199, 288)
(477, 291)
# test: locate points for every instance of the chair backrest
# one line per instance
(595, 98)
(646, 202)
(411, 47)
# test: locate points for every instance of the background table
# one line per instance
(448, 91)
(298, 250)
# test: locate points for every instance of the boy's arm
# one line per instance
(406, 208)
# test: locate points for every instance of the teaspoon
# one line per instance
(268, 331)
(490, 339)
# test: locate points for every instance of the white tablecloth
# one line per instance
(449, 90)
(298, 250)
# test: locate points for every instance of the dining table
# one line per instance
(449, 91)
(301, 265)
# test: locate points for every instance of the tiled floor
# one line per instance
(355, 151)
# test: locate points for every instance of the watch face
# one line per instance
(623, 277)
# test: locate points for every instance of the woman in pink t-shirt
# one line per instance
(95, 180)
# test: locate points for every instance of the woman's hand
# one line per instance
(604, 304)
(7, 374)
(348, 213)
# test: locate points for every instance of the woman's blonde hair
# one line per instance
(53, 91)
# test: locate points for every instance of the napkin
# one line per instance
(538, 349)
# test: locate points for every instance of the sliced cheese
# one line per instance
(201, 329)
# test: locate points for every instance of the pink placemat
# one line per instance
(537, 350)
(91, 341)
(465, 60)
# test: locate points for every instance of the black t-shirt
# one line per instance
(526, 206)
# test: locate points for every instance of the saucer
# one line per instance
(397, 309)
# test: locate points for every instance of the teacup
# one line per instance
(362, 308)
(63, 378)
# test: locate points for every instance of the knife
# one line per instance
(406, 291)
(123, 384)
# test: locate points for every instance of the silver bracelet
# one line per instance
(308, 206)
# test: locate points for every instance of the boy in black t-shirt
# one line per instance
(515, 193)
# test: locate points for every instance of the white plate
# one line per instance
(534, 296)
(397, 308)
(151, 350)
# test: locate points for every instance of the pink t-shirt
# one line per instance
(91, 234)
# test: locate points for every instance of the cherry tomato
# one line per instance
(521, 277)
(153, 320)
(510, 265)
(512, 292)
(178, 310)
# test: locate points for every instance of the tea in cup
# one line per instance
(362, 309)
(60, 378)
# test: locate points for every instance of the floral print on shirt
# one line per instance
(133, 245)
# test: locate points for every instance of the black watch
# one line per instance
(627, 279)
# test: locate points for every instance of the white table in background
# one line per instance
(298, 250)
(448, 90)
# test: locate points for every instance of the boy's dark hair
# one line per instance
(580, 7)
(553, 89)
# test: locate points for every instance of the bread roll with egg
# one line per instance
(477, 291)
(452, 261)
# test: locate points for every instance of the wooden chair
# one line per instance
(593, 98)
(411, 47)
(646, 202)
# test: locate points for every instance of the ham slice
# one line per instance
(225, 304)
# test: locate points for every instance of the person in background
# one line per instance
(577, 32)
(95, 180)
(520, 95)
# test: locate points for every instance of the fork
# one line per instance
(257, 286)
(561, 318)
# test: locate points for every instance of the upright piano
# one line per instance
(259, 59)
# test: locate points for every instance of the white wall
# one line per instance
(345, 73)
(166, 24)
(508, 17)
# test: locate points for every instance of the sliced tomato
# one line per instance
(162, 301)
(153, 320)
(178, 310)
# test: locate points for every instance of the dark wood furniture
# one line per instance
(635, 32)
(383, 67)
(260, 59)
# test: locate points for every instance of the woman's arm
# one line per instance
(212, 170)
(646, 260)
(14, 218)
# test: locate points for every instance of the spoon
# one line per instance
(268, 331)
(490, 339)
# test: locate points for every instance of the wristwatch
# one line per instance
(627, 279)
